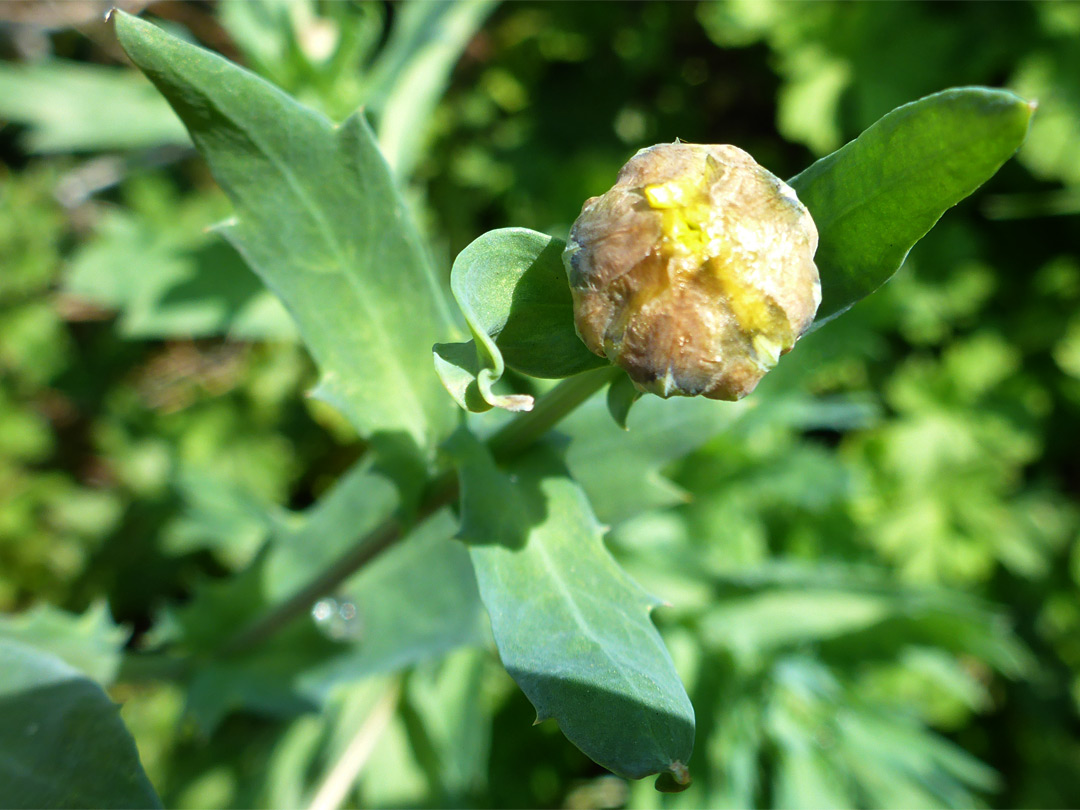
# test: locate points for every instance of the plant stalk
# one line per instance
(521, 432)
(343, 775)
(507, 443)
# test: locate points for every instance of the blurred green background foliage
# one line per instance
(873, 572)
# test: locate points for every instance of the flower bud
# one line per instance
(695, 272)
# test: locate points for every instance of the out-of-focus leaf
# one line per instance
(1049, 76)
(447, 717)
(411, 74)
(621, 469)
(219, 515)
(170, 283)
(415, 601)
(310, 50)
(63, 102)
(90, 643)
(319, 218)
(874, 198)
(758, 623)
(860, 616)
(511, 287)
(833, 748)
(62, 743)
(572, 628)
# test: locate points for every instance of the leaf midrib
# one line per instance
(579, 618)
(895, 179)
(327, 233)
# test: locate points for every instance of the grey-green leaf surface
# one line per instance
(875, 197)
(511, 286)
(173, 281)
(416, 601)
(572, 628)
(621, 396)
(90, 643)
(62, 102)
(62, 743)
(319, 219)
(619, 469)
(412, 72)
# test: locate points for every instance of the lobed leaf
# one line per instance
(90, 643)
(619, 469)
(416, 601)
(875, 197)
(319, 219)
(61, 102)
(572, 628)
(174, 279)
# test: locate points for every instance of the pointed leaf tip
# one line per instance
(318, 218)
(878, 195)
(675, 780)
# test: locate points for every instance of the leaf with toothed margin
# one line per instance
(91, 642)
(319, 219)
(511, 286)
(62, 742)
(572, 628)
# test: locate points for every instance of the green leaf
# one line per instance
(447, 714)
(415, 601)
(219, 515)
(511, 286)
(874, 752)
(572, 628)
(174, 279)
(412, 72)
(319, 219)
(874, 198)
(854, 614)
(62, 743)
(458, 367)
(62, 103)
(302, 544)
(621, 469)
(621, 396)
(90, 643)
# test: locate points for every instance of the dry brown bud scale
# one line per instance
(695, 272)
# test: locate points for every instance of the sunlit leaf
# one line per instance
(319, 219)
(572, 628)
(415, 601)
(62, 743)
(874, 198)
(62, 103)
(412, 72)
(511, 286)
(90, 643)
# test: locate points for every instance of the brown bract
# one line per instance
(695, 272)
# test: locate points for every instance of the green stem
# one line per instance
(281, 614)
(508, 442)
(560, 401)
